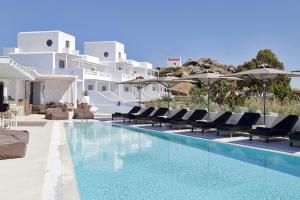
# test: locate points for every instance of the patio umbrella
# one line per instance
(208, 79)
(265, 76)
(168, 82)
(139, 83)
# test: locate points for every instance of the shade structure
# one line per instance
(139, 83)
(9, 69)
(208, 79)
(265, 76)
(168, 82)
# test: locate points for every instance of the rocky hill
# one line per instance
(193, 67)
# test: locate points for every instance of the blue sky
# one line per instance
(230, 31)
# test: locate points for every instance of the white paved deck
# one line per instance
(26, 178)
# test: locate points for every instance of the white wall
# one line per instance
(42, 62)
(37, 41)
(15, 88)
(98, 49)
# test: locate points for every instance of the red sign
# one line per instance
(173, 59)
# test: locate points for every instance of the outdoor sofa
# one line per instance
(13, 143)
(56, 114)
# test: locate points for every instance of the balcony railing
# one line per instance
(96, 75)
(126, 77)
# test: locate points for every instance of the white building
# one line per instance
(62, 74)
(174, 62)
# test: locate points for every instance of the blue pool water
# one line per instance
(118, 163)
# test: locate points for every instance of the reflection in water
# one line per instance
(108, 144)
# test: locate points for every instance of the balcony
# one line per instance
(70, 51)
(126, 77)
(96, 75)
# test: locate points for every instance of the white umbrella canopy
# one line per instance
(264, 75)
(208, 79)
(168, 82)
(139, 83)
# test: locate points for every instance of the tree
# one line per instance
(280, 87)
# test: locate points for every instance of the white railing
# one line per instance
(70, 51)
(97, 74)
(126, 77)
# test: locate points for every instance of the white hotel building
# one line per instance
(57, 72)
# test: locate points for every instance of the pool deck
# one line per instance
(47, 172)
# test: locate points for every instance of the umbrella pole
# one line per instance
(265, 99)
(169, 98)
(208, 102)
(140, 97)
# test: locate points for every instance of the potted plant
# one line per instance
(85, 97)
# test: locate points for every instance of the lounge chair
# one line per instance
(279, 129)
(221, 118)
(142, 113)
(154, 114)
(171, 115)
(294, 138)
(135, 109)
(243, 125)
(189, 118)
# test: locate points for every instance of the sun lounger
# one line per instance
(171, 115)
(142, 113)
(189, 118)
(135, 109)
(154, 114)
(221, 118)
(294, 138)
(279, 129)
(243, 125)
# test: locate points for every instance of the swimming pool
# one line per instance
(113, 162)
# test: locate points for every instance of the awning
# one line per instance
(9, 69)
(37, 76)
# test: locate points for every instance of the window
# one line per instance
(153, 88)
(91, 87)
(126, 89)
(93, 69)
(134, 72)
(61, 64)
(120, 54)
(104, 88)
(67, 44)
(106, 54)
(49, 43)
